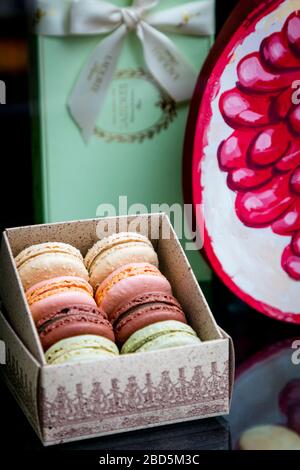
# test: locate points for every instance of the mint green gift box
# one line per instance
(136, 149)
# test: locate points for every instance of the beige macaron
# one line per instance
(269, 437)
(116, 250)
(48, 260)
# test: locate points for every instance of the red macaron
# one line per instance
(145, 310)
(71, 321)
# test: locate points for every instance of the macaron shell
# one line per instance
(84, 355)
(43, 248)
(74, 325)
(128, 288)
(80, 347)
(144, 316)
(73, 309)
(49, 265)
(116, 239)
(58, 301)
(44, 288)
(145, 299)
(150, 334)
(54, 294)
(170, 340)
(118, 256)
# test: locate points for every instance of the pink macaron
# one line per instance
(127, 282)
(59, 292)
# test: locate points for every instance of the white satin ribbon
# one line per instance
(172, 71)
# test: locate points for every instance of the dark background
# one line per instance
(250, 330)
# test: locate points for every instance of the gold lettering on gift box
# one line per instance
(98, 72)
(168, 61)
(123, 104)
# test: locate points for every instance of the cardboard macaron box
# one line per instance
(108, 332)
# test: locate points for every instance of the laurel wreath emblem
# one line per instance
(166, 104)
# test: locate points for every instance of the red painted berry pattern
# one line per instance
(262, 155)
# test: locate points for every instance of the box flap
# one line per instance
(21, 373)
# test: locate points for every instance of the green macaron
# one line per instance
(161, 335)
(81, 348)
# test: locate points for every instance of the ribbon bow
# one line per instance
(175, 75)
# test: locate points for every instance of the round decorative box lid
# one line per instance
(242, 156)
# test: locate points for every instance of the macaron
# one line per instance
(47, 260)
(269, 437)
(161, 335)
(80, 349)
(48, 296)
(116, 250)
(75, 320)
(126, 283)
(145, 310)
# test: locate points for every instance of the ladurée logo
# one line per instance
(2, 92)
(135, 108)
